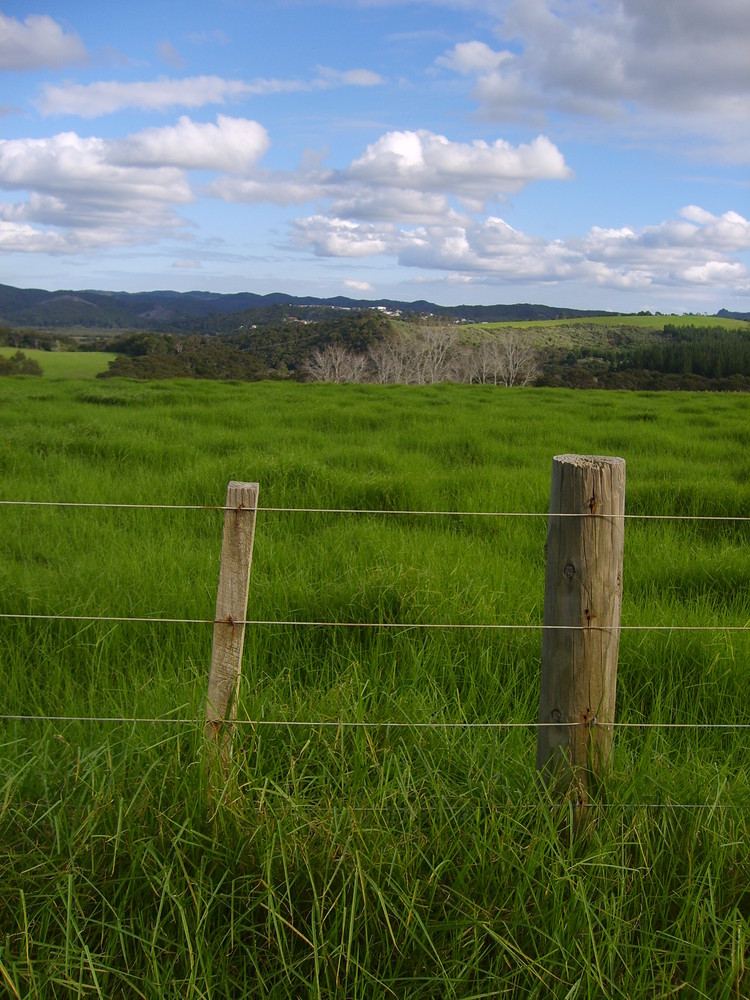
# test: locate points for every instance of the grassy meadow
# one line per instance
(65, 364)
(381, 860)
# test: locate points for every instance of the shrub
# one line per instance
(19, 364)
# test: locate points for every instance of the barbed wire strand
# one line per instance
(372, 512)
(403, 626)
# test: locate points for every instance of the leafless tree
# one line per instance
(504, 360)
(518, 361)
(336, 363)
(387, 360)
(431, 355)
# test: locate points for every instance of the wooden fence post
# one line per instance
(580, 640)
(231, 611)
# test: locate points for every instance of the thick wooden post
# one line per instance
(231, 611)
(580, 640)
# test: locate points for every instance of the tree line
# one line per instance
(341, 346)
(705, 351)
(427, 355)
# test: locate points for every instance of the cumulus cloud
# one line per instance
(681, 64)
(37, 43)
(411, 176)
(21, 238)
(343, 238)
(266, 187)
(695, 250)
(233, 145)
(414, 196)
(424, 161)
(67, 164)
(75, 192)
(107, 96)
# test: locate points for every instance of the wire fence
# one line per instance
(399, 626)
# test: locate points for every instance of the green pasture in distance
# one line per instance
(639, 321)
(351, 862)
(65, 364)
(593, 331)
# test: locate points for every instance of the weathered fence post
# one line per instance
(581, 635)
(231, 611)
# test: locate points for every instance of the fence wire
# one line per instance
(401, 626)
(375, 511)
(364, 724)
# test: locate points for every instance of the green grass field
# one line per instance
(65, 364)
(644, 322)
(374, 861)
(593, 332)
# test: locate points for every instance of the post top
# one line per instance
(584, 461)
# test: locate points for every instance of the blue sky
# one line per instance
(586, 153)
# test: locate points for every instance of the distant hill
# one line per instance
(725, 314)
(169, 311)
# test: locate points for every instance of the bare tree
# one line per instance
(432, 355)
(336, 363)
(478, 363)
(387, 360)
(504, 360)
(518, 364)
(428, 355)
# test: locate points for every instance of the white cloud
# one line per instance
(424, 161)
(408, 177)
(107, 96)
(348, 78)
(264, 187)
(404, 205)
(474, 58)
(20, 238)
(76, 193)
(37, 43)
(357, 286)
(71, 165)
(675, 253)
(343, 238)
(233, 145)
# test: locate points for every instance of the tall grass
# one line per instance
(340, 861)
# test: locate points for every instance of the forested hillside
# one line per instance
(158, 335)
(368, 347)
(211, 312)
